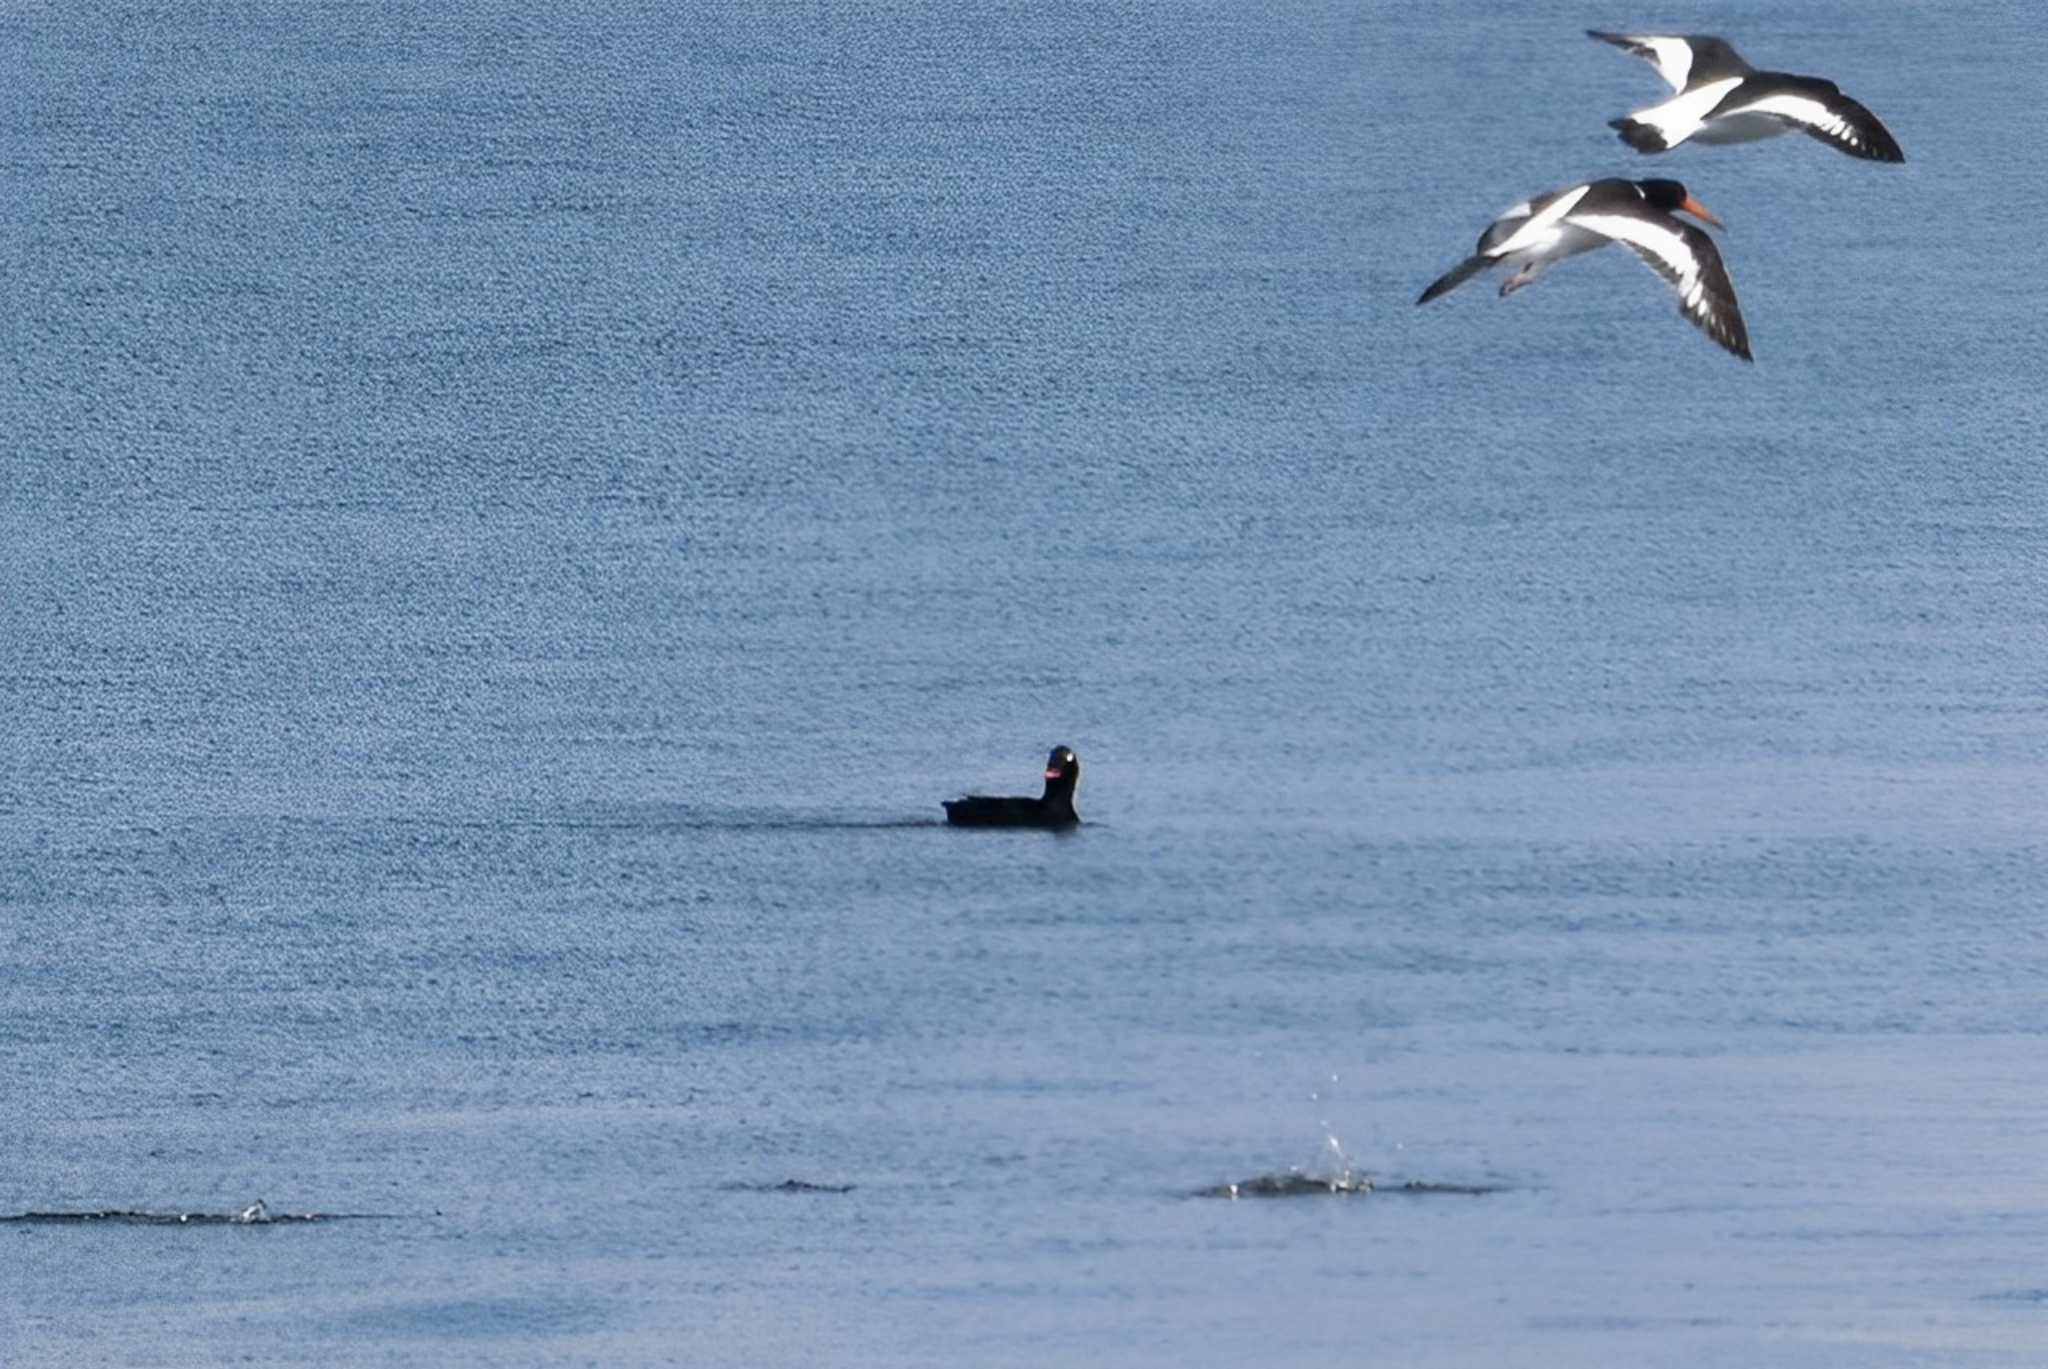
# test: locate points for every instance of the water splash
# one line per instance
(1335, 1174)
(1343, 1174)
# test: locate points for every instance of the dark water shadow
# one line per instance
(658, 818)
(1058, 833)
(679, 817)
(1295, 1184)
(804, 825)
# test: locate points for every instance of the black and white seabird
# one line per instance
(1054, 809)
(1540, 232)
(1723, 99)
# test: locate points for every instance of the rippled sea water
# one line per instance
(515, 516)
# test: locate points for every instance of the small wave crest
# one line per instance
(257, 1213)
(788, 1186)
(1293, 1184)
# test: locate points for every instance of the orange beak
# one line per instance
(1052, 772)
(1700, 211)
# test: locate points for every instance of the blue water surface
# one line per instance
(516, 515)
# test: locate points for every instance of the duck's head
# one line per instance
(1062, 768)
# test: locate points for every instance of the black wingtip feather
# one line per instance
(1855, 130)
(1728, 330)
(1882, 146)
(1874, 142)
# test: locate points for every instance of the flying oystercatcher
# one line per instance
(1539, 233)
(1723, 99)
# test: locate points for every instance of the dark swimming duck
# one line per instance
(1055, 809)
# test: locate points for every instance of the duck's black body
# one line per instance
(1054, 809)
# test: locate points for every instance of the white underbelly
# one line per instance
(1741, 128)
(1567, 240)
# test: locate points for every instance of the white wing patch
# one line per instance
(1673, 58)
(1679, 118)
(1541, 228)
(1687, 260)
(1666, 245)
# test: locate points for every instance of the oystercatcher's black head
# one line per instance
(1672, 198)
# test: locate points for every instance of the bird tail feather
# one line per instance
(1454, 278)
